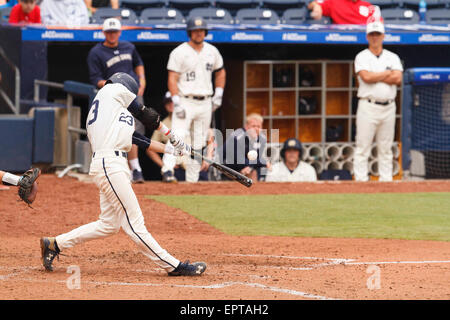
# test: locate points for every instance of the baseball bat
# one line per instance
(230, 173)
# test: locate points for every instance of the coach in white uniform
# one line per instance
(111, 131)
(291, 168)
(379, 73)
(190, 69)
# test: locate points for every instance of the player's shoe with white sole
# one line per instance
(188, 269)
(168, 177)
(49, 250)
(137, 176)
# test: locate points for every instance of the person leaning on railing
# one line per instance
(342, 11)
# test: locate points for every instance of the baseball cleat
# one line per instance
(137, 176)
(49, 250)
(187, 269)
(169, 177)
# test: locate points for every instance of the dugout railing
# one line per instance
(81, 148)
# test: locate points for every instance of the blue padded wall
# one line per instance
(16, 143)
(43, 137)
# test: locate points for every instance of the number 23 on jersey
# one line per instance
(122, 118)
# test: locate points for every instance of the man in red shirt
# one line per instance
(26, 11)
(342, 11)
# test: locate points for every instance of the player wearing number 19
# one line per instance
(111, 131)
(190, 68)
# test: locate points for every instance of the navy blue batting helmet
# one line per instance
(291, 143)
(196, 23)
(124, 79)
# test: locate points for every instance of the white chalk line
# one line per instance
(398, 262)
(334, 261)
(213, 286)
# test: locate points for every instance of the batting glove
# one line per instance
(181, 148)
(177, 108)
(217, 98)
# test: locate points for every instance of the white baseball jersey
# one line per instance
(366, 60)
(303, 173)
(109, 124)
(195, 68)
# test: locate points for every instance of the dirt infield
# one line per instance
(238, 267)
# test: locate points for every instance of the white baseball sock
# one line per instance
(134, 164)
(11, 179)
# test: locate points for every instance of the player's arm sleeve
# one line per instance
(273, 175)
(137, 60)
(397, 64)
(218, 64)
(174, 63)
(359, 64)
(141, 141)
(95, 70)
(312, 175)
(148, 116)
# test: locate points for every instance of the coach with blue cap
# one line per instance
(291, 168)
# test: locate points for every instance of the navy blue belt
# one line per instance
(197, 97)
(381, 103)
(117, 153)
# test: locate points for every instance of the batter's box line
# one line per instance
(212, 286)
(331, 261)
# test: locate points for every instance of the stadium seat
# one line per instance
(4, 14)
(234, 5)
(414, 4)
(279, 6)
(161, 16)
(324, 20)
(187, 5)
(384, 4)
(139, 5)
(295, 16)
(400, 16)
(212, 15)
(438, 16)
(127, 16)
(257, 16)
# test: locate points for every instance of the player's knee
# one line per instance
(109, 228)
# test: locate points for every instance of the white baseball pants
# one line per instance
(119, 207)
(374, 121)
(196, 124)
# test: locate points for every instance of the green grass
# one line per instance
(421, 216)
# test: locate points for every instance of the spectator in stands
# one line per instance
(243, 140)
(93, 5)
(109, 57)
(181, 162)
(291, 168)
(343, 11)
(64, 12)
(26, 11)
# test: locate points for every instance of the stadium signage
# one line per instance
(294, 36)
(337, 37)
(243, 36)
(434, 38)
(391, 38)
(51, 34)
(147, 35)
